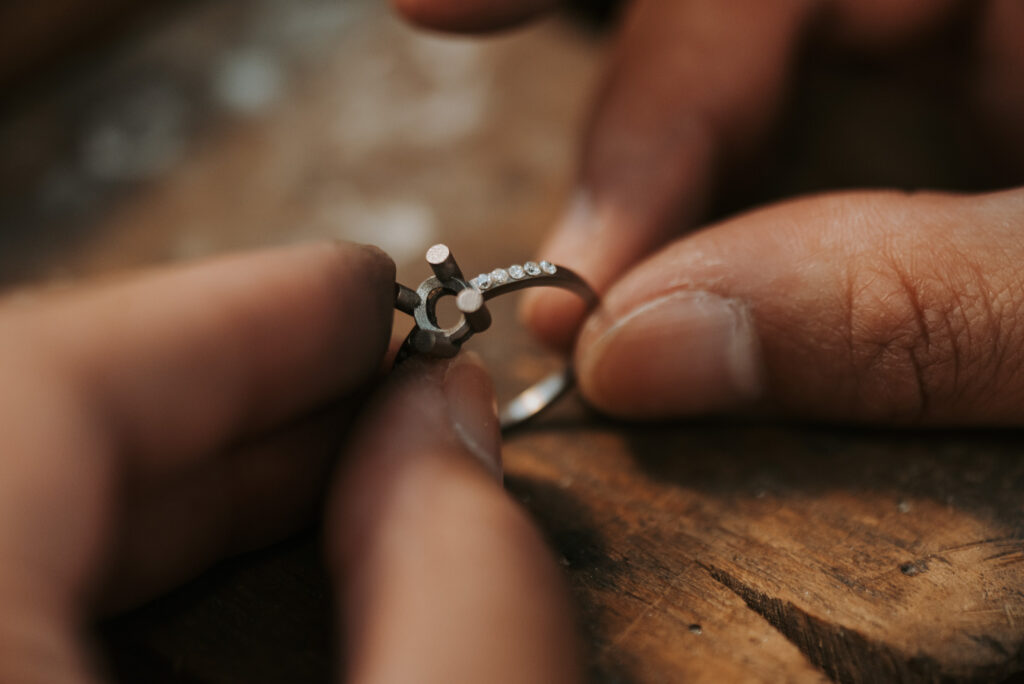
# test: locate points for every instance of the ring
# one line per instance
(428, 338)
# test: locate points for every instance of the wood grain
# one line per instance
(799, 552)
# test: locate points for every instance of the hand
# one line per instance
(151, 427)
(869, 306)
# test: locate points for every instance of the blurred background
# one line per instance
(141, 133)
(135, 133)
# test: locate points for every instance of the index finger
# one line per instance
(691, 85)
(183, 362)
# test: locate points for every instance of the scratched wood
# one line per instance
(717, 551)
(705, 550)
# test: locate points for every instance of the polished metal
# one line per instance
(443, 263)
(471, 303)
(430, 339)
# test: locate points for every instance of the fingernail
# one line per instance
(580, 219)
(581, 226)
(553, 315)
(683, 353)
(568, 242)
(473, 410)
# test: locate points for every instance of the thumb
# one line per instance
(862, 306)
(441, 577)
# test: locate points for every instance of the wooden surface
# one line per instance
(709, 550)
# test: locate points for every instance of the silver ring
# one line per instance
(430, 339)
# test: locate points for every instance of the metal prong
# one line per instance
(471, 303)
(406, 299)
(432, 343)
(443, 263)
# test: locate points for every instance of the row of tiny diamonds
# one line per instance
(500, 276)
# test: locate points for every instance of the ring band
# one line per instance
(430, 339)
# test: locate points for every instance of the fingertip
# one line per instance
(376, 257)
(429, 14)
(343, 295)
(365, 279)
(886, 24)
(473, 410)
(587, 359)
(682, 353)
(358, 277)
(432, 407)
(553, 317)
(470, 16)
(578, 242)
(372, 263)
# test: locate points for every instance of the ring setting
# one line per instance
(429, 338)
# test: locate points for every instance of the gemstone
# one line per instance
(548, 267)
(531, 268)
(499, 276)
(516, 271)
(483, 281)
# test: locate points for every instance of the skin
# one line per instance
(881, 307)
(144, 437)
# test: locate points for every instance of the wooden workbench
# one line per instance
(705, 550)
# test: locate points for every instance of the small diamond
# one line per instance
(531, 268)
(548, 267)
(499, 276)
(483, 281)
(516, 271)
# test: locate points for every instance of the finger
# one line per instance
(876, 307)
(39, 642)
(119, 393)
(690, 83)
(129, 391)
(441, 576)
(471, 15)
(247, 499)
(184, 362)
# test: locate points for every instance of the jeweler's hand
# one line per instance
(867, 306)
(151, 426)
(881, 307)
(691, 87)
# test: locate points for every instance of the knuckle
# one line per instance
(929, 335)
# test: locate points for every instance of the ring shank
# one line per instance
(536, 398)
(562, 278)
